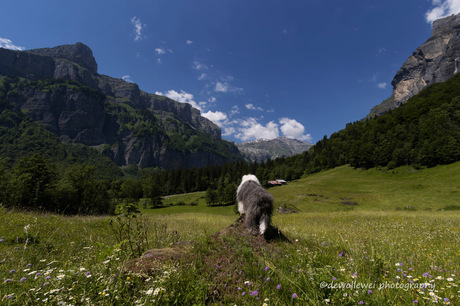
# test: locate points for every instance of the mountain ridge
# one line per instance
(61, 90)
(262, 149)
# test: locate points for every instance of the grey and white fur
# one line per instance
(255, 203)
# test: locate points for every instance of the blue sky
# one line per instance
(257, 68)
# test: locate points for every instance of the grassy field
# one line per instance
(399, 245)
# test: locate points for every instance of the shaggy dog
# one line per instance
(255, 203)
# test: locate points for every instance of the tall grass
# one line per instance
(338, 256)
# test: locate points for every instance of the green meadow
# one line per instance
(359, 237)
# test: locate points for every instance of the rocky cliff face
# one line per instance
(61, 89)
(263, 149)
(437, 60)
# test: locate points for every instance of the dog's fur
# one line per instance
(255, 203)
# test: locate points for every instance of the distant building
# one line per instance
(274, 183)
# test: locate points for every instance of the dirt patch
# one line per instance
(183, 252)
(154, 259)
(349, 203)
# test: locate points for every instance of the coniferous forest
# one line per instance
(38, 172)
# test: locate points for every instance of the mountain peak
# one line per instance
(78, 53)
(262, 149)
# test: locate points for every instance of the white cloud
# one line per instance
(221, 87)
(252, 107)
(212, 99)
(138, 27)
(235, 110)
(202, 76)
(250, 129)
(183, 97)
(189, 42)
(291, 128)
(159, 61)
(217, 117)
(160, 51)
(8, 44)
(127, 78)
(382, 85)
(443, 8)
(199, 66)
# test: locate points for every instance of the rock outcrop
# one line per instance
(60, 89)
(437, 60)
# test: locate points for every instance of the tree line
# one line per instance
(424, 132)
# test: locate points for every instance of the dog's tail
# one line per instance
(264, 223)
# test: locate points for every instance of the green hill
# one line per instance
(403, 188)
(423, 131)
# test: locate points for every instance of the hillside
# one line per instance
(60, 89)
(424, 131)
(435, 61)
(345, 188)
(263, 149)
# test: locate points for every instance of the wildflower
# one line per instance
(82, 269)
(294, 296)
(60, 276)
(278, 287)
(369, 291)
(42, 260)
(266, 268)
(361, 303)
(149, 292)
(10, 296)
(7, 280)
(157, 290)
(254, 293)
(268, 279)
(450, 279)
(243, 293)
(355, 275)
(248, 283)
(439, 277)
(107, 261)
(22, 279)
(266, 300)
(415, 301)
(12, 271)
(47, 283)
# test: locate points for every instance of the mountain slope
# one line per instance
(60, 89)
(435, 61)
(423, 131)
(263, 149)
